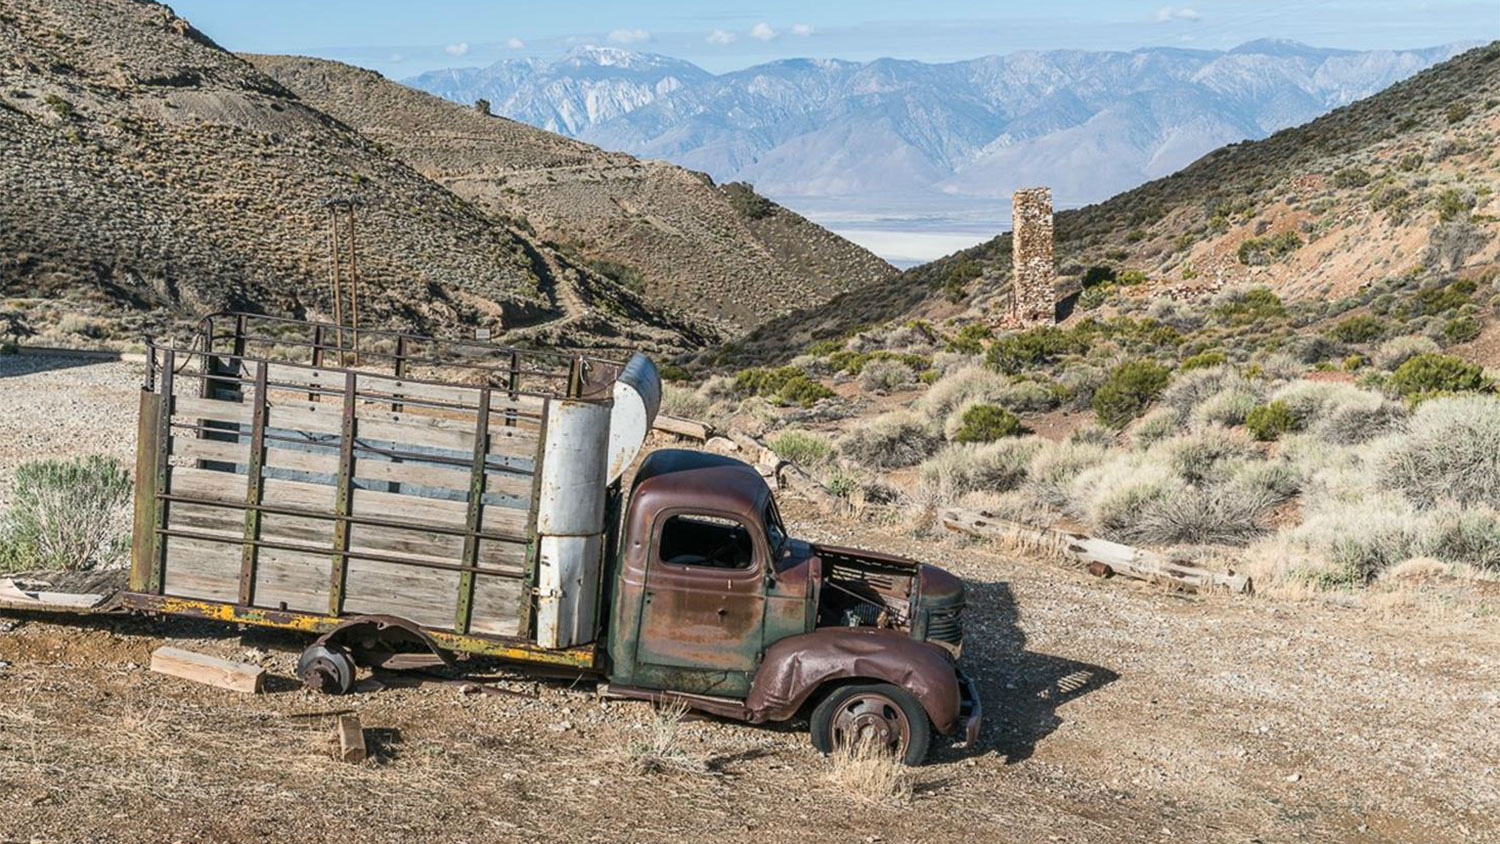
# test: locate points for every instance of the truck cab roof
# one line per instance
(710, 481)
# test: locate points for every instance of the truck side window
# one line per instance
(709, 541)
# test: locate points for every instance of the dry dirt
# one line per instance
(1115, 712)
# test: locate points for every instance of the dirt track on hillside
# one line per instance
(1114, 712)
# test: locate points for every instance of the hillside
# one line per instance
(1397, 184)
(151, 176)
(722, 254)
(929, 135)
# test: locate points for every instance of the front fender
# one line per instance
(797, 666)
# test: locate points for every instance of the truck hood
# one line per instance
(934, 585)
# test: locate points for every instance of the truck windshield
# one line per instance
(775, 533)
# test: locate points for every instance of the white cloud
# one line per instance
(1187, 13)
(629, 36)
(719, 36)
(802, 29)
(459, 49)
(762, 31)
(515, 44)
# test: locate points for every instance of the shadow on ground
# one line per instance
(1021, 690)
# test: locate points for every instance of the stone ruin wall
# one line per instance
(1033, 275)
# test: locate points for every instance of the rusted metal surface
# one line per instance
(871, 717)
(581, 657)
(796, 667)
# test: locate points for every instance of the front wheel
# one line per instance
(886, 716)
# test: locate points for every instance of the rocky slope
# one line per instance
(1090, 124)
(724, 257)
(1403, 182)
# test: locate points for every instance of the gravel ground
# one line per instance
(65, 407)
(1115, 712)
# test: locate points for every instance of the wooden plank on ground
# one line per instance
(681, 427)
(351, 739)
(1114, 557)
(209, 670)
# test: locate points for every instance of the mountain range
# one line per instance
(1089, 124)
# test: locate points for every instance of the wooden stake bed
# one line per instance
(313, 490)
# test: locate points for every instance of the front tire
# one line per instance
(886, 715)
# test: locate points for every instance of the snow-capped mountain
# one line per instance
(1090, 124)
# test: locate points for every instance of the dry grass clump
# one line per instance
(66, 515)
(1194, 387)
(1398, 350)
(891, 440)
(974, 383)
(988, 467)
(662, 751)
(886, 376)
(1451, 451)
(868, 774)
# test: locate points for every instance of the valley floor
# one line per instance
(1114, 712)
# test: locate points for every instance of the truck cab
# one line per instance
(715, 604)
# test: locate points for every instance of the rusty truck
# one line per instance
(410, 500)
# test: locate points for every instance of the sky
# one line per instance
(401, 39)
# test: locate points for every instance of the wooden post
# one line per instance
(163, 470)
(476, 510)
(344, 505)
(209, 670)
(351, 739)
(250, 553)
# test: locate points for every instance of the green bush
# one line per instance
(673, 372)
(1450, 451)
(1202, 360)
(1351, 177)
(801, 447)
(1461, 329)
(984, 423)
(1131, 386)
(1269, 421)
(66, 514)
(1434, 373)
(786, 385)
(1255, 305)
(1132, 277)
(1360, 328)
(1458, 111)
(1097, 275)
(803, 392)
(1259, 251)
(1018, 352)
(970, 339)
(1453, 204)
(1439, 300)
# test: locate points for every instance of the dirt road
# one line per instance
(1115, 713)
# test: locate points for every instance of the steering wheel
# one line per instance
(717, 555)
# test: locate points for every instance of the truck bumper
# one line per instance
(970, 712)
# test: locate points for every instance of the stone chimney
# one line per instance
(1033, 278)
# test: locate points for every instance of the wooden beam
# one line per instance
(209, 670)
(351, 739)
(1102, 556)
(681, 427)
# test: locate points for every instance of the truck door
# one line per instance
(704, 601)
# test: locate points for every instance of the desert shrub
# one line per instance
(663, 749)
(1078, 383)
(885, 376)
(1433, 373)
(1202, 360)
(681, 401)
(1112, 495)
(1131, 386)
(1210, 515)
(1227, 407)
(1269, 421)
(1398, 350)
(1460, 329)
(673, 372)
(1442, 299)
(1097, 275)
(1055, 465)
(1454, 204)
(890, 441)
(982, 423)
(1468, 535)
(1354, 540)
(1259, 251)
(801, 447)
(1192, 388)
(743, 198)
(1351, 177)
(1355, 423)
(1156, 426)
(1016, 353)
(1201, 456)
(970, 339)
(969, 467)
(952, 391)
(1026, 396)
(80, 325)
(802, 391)
(1241, 308)
(66, 514)
(1451, 450)
(1360, 328)
(1457, 112)
(1314, 348)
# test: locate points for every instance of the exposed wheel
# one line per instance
(327, 668)
(885, 715)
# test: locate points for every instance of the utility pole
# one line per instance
(342, 261)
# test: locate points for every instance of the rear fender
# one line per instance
(794, 668)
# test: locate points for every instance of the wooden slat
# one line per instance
(212, 409)
(227, 522)
(216, 450)
(426, 596)
(292, 580)
(497, 606)
(475, 510)
(196, 568)
(254, 486)
(320, 462)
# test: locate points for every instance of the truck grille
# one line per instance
(946, 626)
